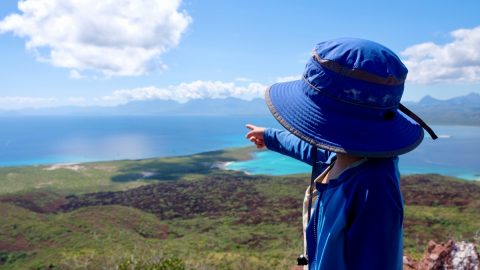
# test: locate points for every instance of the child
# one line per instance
(344, 118)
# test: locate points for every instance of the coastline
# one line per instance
(270, 163)
(248, 160)
(454, 153)
(222, 165)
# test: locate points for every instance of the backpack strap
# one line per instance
(302, 260)
(312, 180)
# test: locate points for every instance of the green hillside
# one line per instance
(114, 175)
(192, 215)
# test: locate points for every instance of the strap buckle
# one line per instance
(302, 260)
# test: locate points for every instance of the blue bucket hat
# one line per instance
(348, 101)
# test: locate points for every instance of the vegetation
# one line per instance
(193, 215)
(114, 175)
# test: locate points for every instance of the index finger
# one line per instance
(250, 126)
(250, 134)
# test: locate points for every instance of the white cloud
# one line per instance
(242, 79)
(454, 62)
(74, 74)
(180, 93)
(76, 100)
(116, 38)
(288, 78)
(188, 91)
(21, 102)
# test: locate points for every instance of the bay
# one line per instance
(455, 153)
(49, 140)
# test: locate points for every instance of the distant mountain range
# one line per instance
(204, 107)
(462, 110)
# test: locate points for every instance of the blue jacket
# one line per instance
(357, 218)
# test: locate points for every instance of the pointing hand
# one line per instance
(255, 135)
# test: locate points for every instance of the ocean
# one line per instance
(50, 140)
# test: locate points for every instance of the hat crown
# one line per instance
(363, 54)
(357, 71)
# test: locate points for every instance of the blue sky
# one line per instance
(61, 52)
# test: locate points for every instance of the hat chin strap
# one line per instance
(418, 120)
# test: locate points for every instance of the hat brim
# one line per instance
(340, 127)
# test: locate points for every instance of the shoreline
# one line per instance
(250, 167)
(221, 165)
(249, 156)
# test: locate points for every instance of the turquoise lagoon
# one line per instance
(455, 153)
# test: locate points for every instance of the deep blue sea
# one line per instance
(48, 140)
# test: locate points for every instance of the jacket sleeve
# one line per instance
(288, 144)
(374, 233)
